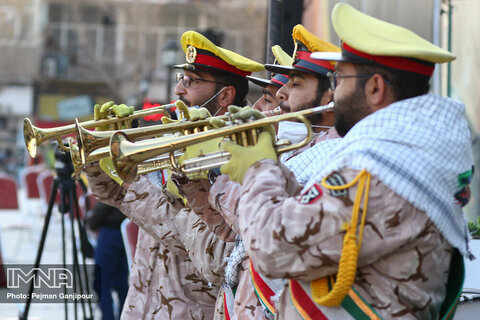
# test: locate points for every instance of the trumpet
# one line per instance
(35, 136)
(88, 141)
(126, 155)
(157, 163)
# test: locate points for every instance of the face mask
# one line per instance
(290, 130)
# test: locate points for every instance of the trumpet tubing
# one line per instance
(89, 141)
(126, 154)
(128, 171)
(157, 163)
(35, 136)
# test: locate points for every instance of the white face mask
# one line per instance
(290, 130)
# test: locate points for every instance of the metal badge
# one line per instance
(191, 54)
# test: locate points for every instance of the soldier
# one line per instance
(379, 228)
(269, 100)
(307, 88)
(178, 265)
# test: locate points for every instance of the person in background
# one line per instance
(269, 100)
(111, 269)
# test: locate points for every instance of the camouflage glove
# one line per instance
(243, 158)
(121, 110)
(245, 113)
(106, 165)
(192, 114)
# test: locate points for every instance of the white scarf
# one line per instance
(312, 160)
(417, 147)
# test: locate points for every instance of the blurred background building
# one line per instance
(60, 57)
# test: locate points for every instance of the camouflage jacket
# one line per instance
(220, 213)
(178, 265)
(404, 260)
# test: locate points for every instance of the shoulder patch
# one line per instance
(311, 195)
(335, 179)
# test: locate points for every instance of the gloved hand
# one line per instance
(102, 112)
(192, 114)
(171, 187)
(245, 113)
(121, 110)
(106, 165)
(244, 157)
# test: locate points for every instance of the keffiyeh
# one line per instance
(312, 160)
(419, 148)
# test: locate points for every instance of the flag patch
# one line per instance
(335, 179)
(311, 195)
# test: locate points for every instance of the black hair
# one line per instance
(404, 84)
(323, 85)
(239, 83)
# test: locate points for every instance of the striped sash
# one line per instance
(228, 299)
(265, 288)
(352, 307)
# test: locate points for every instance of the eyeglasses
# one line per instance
(187, 80)
(333, 76)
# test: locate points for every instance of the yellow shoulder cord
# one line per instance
(347, 265)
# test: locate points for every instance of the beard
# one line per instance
(349, 110)
(211, 106)
(185, 101)
(284, 108)
(314, 119)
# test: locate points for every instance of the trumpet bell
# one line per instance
(128, 172)
(30, 138)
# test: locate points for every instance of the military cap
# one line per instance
(305, 44)
(278, 80)
(203, 55)
(368, 40)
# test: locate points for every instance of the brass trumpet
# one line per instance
(126, 155)
(35, 136)
(157, 163)
(88, 141)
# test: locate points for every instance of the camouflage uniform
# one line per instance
(220, 213)
(178, 265)
(222, 197)
(403, 261)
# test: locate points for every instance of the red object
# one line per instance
(8, 194)
(215, 62)
(303, 301)
(3, 277)
(305, 55)
(147, 104)
(29, 180)
(44, 184)
(416, 66)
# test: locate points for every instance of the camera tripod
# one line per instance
(64, 184)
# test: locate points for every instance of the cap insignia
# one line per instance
(191, 54)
